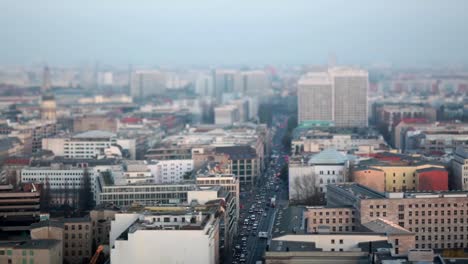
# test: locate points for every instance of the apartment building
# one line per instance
(77, 240)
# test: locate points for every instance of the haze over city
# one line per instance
(212, 32)
(233, 132)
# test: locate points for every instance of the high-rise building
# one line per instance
(147, 83)
(315, 93)
(225, 82)
(338, 95)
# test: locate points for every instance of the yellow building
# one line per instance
(402, 177)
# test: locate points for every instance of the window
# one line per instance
(333, 241)
(341, 241)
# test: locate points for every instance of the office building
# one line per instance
(338, 95)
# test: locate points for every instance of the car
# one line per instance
(265, 214)
(244, 239)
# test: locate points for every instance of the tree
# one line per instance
(86, 199)
(45, 196)
(305, 191)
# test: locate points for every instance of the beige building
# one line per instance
(74, 235)
(437, 219)
(101, 223)
(35, 251)
(48, 108)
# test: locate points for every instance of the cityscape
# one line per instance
(233, 132)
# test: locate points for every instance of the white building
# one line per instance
(182, 236)
(308, 177)
(338, 95)
(226, 115)
(90, 144)
(460, 168)
(60, 177)
(170, 171)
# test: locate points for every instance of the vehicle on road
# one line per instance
(273, 201)
(262, 234)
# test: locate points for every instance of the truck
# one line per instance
(273, 201)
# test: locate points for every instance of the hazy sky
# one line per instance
(233, 32)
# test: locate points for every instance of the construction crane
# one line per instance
(96, 255)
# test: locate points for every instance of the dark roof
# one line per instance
(375, 245)
(8, 142)
(282, 246)
(51, 223)
(39, 244)
(237, 152)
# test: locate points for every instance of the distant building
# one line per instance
(338, 95)
(94, 122)
(90, 144)
(48, 108)
(226, 115)
(147, 83)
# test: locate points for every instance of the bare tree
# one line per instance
(86, 199)
(305, 191)
(45, 196)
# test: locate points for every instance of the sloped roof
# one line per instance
(328, 156)
(384, 226)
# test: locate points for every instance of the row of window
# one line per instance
(334, 213)
(327, 220)
(436, 229)
(442, 245)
